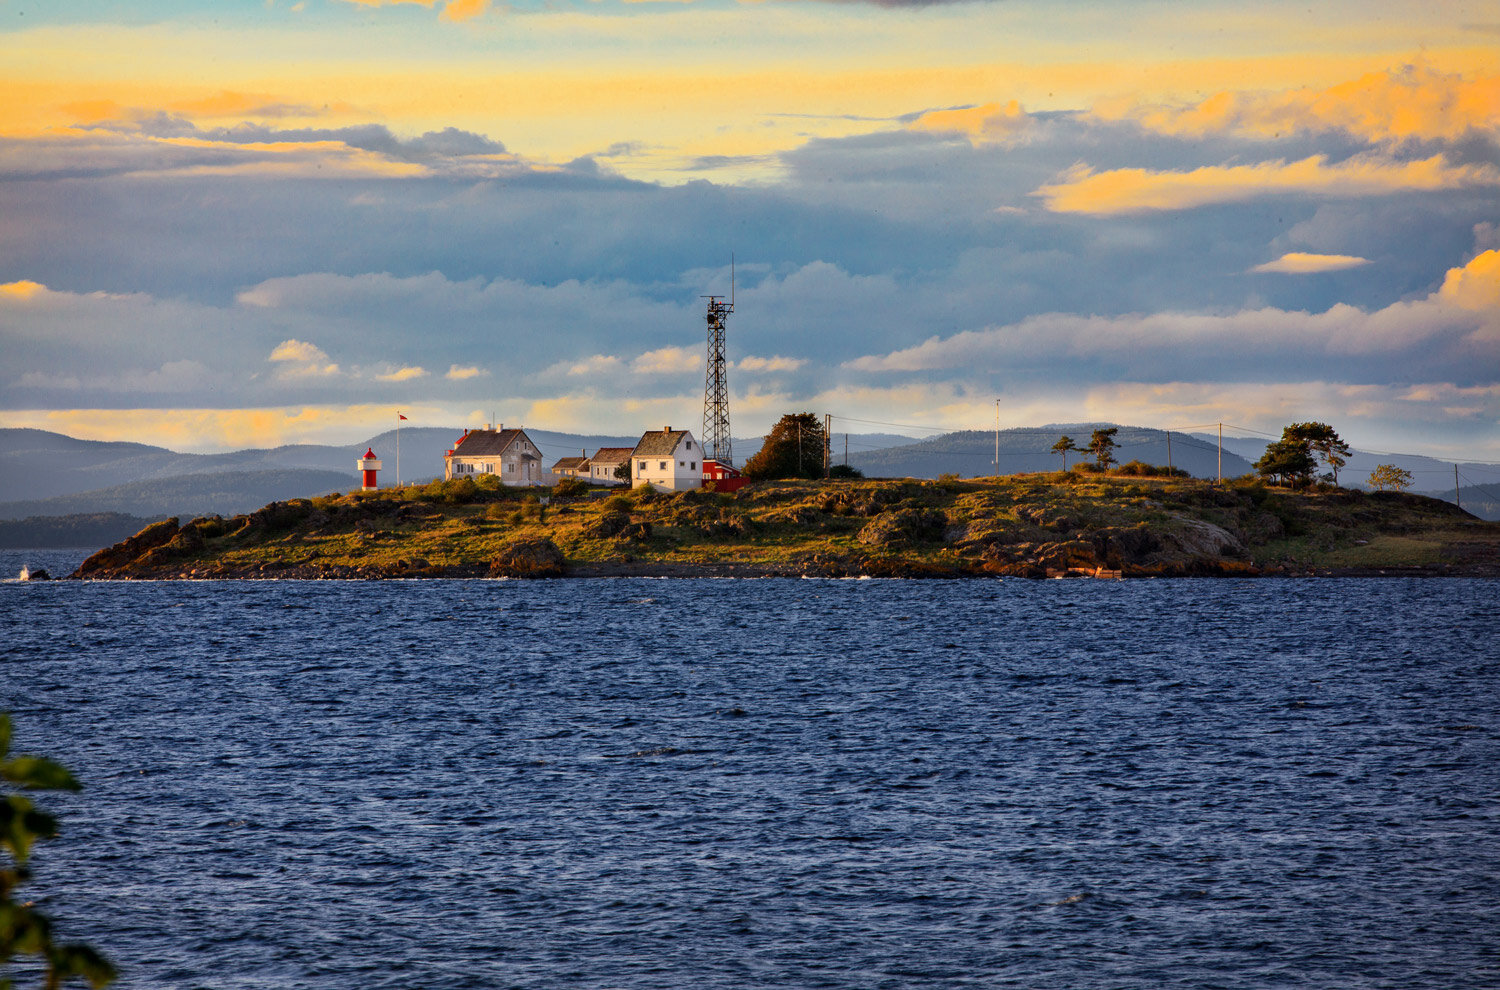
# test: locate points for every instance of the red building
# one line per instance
(722, 477)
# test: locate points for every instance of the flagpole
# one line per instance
(398, 448)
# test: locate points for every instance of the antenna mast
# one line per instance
(715, 383)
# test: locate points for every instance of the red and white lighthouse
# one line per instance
(367, 466)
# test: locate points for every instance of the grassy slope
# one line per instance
(1029, 525)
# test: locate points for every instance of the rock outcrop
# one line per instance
(534, 557)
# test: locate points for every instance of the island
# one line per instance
(1033, 526)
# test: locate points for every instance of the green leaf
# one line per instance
(4, 734)
(80, 962)
(36, 773)
(21, 824)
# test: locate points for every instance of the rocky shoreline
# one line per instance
(898, 529)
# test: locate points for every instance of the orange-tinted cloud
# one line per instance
(990, 123)
(223, 429)
(1138, 190)
(453, 10)
(1301, 263)
(22, 290)
(463, 10)
(303, 360)
(403, 374)
(1394, 105)
(1475, 286)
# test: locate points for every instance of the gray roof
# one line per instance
(571, 464)
(487, 443)
(605, 456)
(659, 443)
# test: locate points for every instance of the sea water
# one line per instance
(773, 783)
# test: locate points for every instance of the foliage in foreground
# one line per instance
(25, 931)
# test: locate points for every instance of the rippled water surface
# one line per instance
(697, 783)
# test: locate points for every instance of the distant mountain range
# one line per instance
(971, 453)
(48, 475)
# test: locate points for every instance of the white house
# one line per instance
(670, 460)
(605, 462)
(508, 454)
(572, 467)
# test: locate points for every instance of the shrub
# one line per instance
(571, 488)
(618, 503)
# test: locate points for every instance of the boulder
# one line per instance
(532, 557)
(897, 527)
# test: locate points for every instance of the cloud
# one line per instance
(453, 10)
(1139, 190)
(1301, 263)
(23, 290)
(668, 361)
(458, 373)
(777, 363)
(1475, 286)
(1413, 102)
(305, 360)
(990, 123)
(214, 429)
(1454, 332)
(403, 374)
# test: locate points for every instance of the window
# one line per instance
(662, 466)
(692, 465)
(690, 445)
(643, 465)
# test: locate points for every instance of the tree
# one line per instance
(623, 470)
(1064, 446)
(1102, 446)
(1390, 477)
(23, 929)
(1287, 459)
(793, 449)
(1322, 440)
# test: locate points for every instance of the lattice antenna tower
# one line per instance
(715, 382)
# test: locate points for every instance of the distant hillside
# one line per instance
(1483, 502)
(971, 453)
(37, 466)
(93, 529)
(223, 493)
(1429, 474)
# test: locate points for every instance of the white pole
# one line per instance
(997, 438)
(398, 448)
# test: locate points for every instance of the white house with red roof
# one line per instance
(667, 460)
(508, 454)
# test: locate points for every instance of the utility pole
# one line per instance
(799, 447)
(1457, 496)
(997, 438)
(846, 448)
(1169, 452)
(827, 454)
(1221, 453)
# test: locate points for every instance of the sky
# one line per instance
(244, 224)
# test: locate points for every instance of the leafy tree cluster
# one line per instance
(1101, 446)
(1388, 477)
(793, 449)
(1294, 457)
(25, 931)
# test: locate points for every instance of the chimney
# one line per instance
(666, 429)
